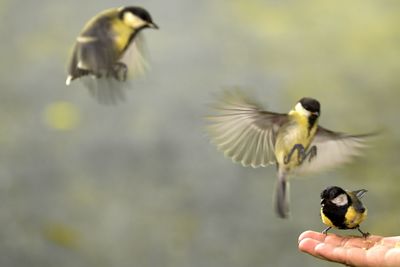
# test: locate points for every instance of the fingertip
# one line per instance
(329, 252)
(311, 234)
(308, 245)
(305, 234)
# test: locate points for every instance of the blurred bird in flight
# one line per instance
(109, 50)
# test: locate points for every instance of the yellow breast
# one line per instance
(122, 34)
(353, 218)
(295, 132)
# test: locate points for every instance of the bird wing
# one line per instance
(73, 71)
(135, 57)
(93, 51)
(357, 204)
(243, 130)
(333, 149)
(95, 47)
(360, 193)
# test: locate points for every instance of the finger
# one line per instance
(349, 256)
(313, 235)
(391, 242)
(392, 239)
(334, 239)
(308, 245)
(376, 256)
(392, 257)
(351, 241)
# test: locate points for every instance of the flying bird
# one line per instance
(109, 50)
(293, 141)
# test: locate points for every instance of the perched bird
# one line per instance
(293, 141)
(108, 50)
(342, 209)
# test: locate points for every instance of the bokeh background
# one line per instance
(138, 184)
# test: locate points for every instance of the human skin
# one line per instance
(352, 250)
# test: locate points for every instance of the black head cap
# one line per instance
(139, 12)
(310, 104)
(332, 192)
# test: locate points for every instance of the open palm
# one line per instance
(353, 251)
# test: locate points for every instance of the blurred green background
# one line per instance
(138, 184)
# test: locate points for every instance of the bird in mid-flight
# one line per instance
(293, 141)
(109, 50)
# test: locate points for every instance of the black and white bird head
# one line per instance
(336, 196)
(136, 17)
(308, 107)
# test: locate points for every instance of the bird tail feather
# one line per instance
(282, 196)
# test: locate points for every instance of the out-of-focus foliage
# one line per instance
(139, 184)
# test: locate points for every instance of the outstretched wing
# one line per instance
(243, 130)
(333, 149)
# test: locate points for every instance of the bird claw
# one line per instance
(301, 154)
(325, 231)
(364, 234)
(312, 153)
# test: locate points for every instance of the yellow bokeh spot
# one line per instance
(62, 235)
(62, 115)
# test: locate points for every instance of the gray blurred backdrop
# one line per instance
(138, 184)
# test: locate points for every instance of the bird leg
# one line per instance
(364, 234)
(325, 232)
(301, 153)
(311, 153)
(120, 71)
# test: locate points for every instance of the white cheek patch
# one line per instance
(300, 109)
(133, 21)
(340, 200)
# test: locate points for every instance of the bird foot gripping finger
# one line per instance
(120, 71)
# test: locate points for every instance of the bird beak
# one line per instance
(315, 113)
(152, 25)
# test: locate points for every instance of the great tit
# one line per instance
(342, 209)
(108, 50)
(248, 134)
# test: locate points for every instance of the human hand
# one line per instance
(352, 251)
